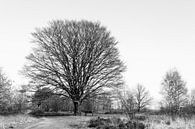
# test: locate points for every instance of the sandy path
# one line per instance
(66, 122)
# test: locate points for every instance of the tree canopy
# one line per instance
(76, 58)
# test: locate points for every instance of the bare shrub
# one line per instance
(114, 123)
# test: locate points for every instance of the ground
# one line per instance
(16, 121)
(80, 122)
(27, 122)
(69, 122)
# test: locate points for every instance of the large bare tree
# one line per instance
(174, 91)
(77, 58)
(142, 97)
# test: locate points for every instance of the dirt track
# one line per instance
(68, 122)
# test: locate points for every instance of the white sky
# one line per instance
(154, 35)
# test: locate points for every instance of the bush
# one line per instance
(10, 110)
(114, 123)
(37, 112)
(56, 114)
(140, 117)
(114, 112)
(40, 113)
(93, 123)
(98, 122)
(167, 122)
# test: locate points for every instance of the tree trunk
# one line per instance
(138, 109)
(76, 104)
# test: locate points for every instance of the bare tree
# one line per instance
(76, 58)
(192, 97)
(5, 86)
(142, 97)
(127, 102)
(174, 91)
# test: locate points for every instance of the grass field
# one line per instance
(80, 122)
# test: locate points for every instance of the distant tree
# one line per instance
(174, 91)
(55, 103)
(77, 58)
(130, 100)
(128, 103)
(189, 107)
(67, 104)
(5, 86)
(192, 97)
(40, 98)
(142, 97)
(20, 100)
(88, 106)
(46, 100)
(106, 99)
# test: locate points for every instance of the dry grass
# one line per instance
(80, 122)
(165, 122)
(160, 122)
(15, 120)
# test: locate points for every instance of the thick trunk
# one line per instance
(76, 105)
(138, 110)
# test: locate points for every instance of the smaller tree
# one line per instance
(174, 91)
(98, 103)
(142, 97)
(87, 106)
(189, 108)
(192, 97)
(55, 103)
(67, 104)
(40, 98)
(5, 86)
(20, 100)
(46, 100)
(128, 103)
(106, 99)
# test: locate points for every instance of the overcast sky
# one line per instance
(154, 35)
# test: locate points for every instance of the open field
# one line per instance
(81, 122)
